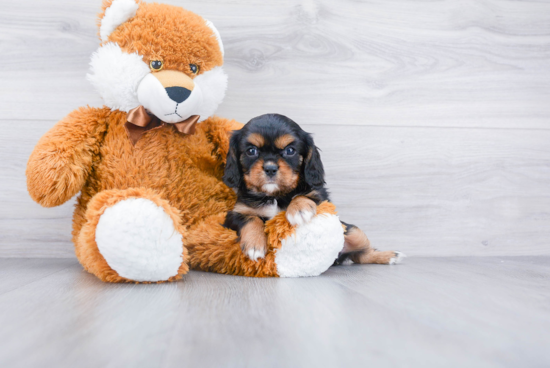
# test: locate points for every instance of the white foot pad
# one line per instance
(312, 249)
(138, 240)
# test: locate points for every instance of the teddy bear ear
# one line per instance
(216, 33)
(115, 12)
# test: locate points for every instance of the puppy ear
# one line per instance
(314, 173)
(232, 175)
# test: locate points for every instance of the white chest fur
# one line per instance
(269, 210)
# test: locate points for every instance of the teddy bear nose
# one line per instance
(178, 94)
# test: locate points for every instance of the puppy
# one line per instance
(274, 166)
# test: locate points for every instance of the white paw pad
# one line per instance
(138, 240)
(398, 258)
(300, 217)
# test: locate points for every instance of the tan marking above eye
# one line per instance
(256, 139)
(284, 140)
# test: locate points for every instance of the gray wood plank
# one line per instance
(424, 191)
(442, 191)
(434, 63)
(13, 276)
(427, 312)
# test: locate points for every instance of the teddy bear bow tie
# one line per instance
(140, 121)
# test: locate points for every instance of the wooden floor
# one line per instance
(427, 312)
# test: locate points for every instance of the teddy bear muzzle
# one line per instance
(170, 95)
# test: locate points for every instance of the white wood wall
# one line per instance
(433, 116)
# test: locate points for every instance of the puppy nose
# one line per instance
(271, 169)
(178, 94)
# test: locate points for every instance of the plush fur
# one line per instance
(177, 38)
(118, 12)
(116, 76)
(146, 212)
(114, 266)
(139, 240)
(299, 254)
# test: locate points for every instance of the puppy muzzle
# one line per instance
(270, 169)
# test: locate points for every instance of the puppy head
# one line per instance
(271, 154)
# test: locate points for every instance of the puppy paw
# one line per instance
(397, 258)
(254, 239)
(300, 211)
(255, 253)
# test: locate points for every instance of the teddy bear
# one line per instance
(149, 164)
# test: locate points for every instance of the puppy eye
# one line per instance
(252, 151)
(194, 68)
(156, 65)
(289, 151)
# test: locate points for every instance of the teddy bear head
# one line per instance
(162, 57)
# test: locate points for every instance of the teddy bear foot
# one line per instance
(139, 241)
(132, 235)
(313, 246)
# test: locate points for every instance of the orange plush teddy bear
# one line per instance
(149, 164)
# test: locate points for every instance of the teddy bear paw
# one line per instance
(139, 241)
(312, 248)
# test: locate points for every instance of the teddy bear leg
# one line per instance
(132, 235)
(293, 251)
(214, 248)
(308, 249)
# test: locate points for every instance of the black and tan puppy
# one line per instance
(275, 166)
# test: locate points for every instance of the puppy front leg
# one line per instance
(300, 210)
(251, 232)
(254, 239)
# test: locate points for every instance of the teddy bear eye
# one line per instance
(156, 64)
(194, 68)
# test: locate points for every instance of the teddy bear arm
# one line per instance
(219, 131)
(61, 161)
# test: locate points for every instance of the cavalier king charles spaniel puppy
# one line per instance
(274, 166)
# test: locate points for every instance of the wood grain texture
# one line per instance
(436, 63)
(448, 192)
(27, 229)
(428, 312)
(432, 115)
